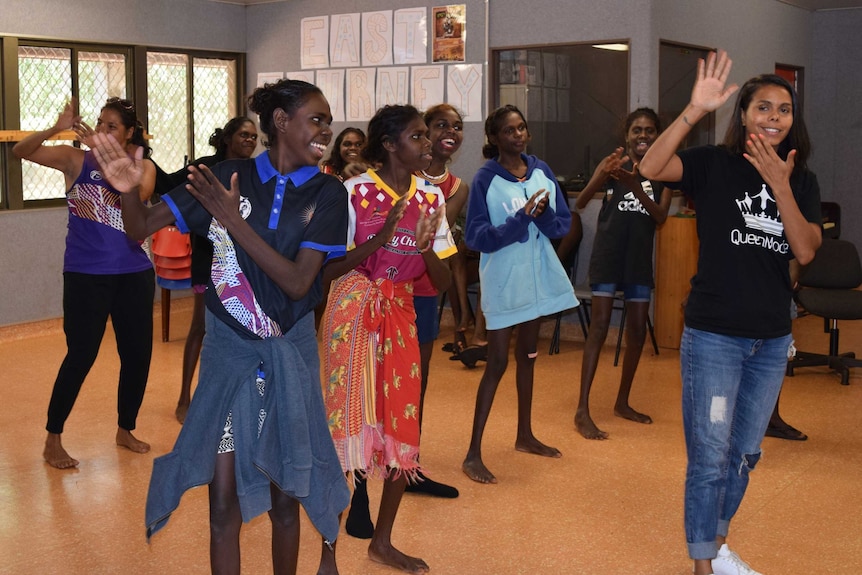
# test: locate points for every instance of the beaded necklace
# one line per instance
(436, 179)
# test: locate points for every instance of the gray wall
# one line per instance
(757, 35)
(834, 113)
(165, 23)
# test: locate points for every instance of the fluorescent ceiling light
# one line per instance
(614, 47)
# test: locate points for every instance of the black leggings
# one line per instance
(88, 300)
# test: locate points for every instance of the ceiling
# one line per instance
(824, 4)
(811, 5)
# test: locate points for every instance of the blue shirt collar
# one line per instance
(267, 171)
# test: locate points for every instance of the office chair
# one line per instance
(828, 290)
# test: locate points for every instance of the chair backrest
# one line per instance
(172, 243)
(831, 219)
(835, 266)
(172, 254)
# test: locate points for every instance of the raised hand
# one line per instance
(768, 164)
(709, 92)
(84, 132)
(67, 119)
(220, 202)
(122, 171)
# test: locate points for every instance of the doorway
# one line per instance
(676, 76)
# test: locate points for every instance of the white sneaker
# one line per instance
(729, 563)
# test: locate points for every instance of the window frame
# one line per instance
(11, 188)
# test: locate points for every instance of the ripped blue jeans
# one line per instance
(729, 389)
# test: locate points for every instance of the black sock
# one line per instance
(432, 488)
(358, 522)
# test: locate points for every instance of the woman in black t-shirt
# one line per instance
(757, 208)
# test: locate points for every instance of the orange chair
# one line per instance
(172, 258)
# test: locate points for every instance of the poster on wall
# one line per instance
(449, 23)
(365, 60)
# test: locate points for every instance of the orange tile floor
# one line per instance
(605, 508)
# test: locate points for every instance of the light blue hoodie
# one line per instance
(521, 277)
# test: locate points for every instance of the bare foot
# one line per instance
(182, 409)
(476, 470)
(533, 445)
(626, 412)
(127, 440)
(585, 426)
(389, 555)
(55, 455)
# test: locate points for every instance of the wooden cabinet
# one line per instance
(675, 264)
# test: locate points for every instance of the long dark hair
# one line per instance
(797, 137)
(387, 124)
(220, 138)
(492, 128)
(335, 160)
(289, 95)
(126, 110)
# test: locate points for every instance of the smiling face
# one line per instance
(641, 135)
(412, 149)
(512, 136)
(304, 136)
(110, 122)
(769, 113)
(446, 132)
(351, 147)
(243, 142)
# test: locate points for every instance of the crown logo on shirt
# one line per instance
(760, 212)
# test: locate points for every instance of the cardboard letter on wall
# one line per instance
(314, 40)
(410, 36)
(331, 83)
(344, 47)
(377, 38)
(426, 86)
(392, 86)
(360, 95)
(464, 87)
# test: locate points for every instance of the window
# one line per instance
(188, 94)
(181, 131)
(47, 75)
(574, 98)
(167, 84)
